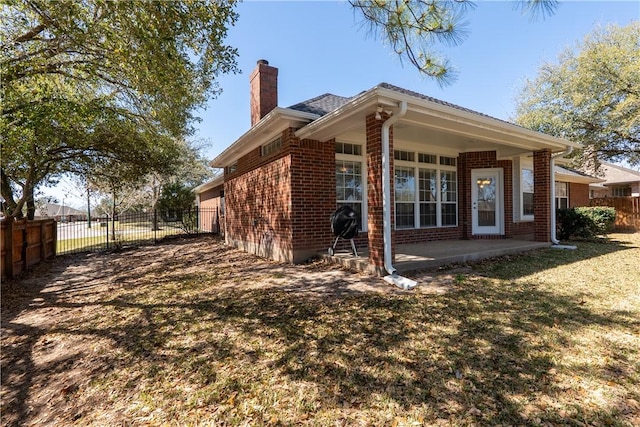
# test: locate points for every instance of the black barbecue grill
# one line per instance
(344, 223)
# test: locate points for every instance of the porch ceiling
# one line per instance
(440, 140)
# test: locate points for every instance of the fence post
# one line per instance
(155, 226)
(43, 238)
(55, 238)
(107, 233)
(25, 244)
(9, 247)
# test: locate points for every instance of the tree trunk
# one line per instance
(10, 205)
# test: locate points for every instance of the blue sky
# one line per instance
(322, 47)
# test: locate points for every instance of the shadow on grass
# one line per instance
(471, 356)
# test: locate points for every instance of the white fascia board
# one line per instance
(270, 125)
(576, 179)
(218, 180)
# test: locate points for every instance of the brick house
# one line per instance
(450, 174)
(617, 181)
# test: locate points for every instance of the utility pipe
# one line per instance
(566, 152)
(393, 277)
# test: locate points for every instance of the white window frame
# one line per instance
(416, 165)
(363, 168)
(520, 164)
(271, 147)
(619, 190)
(563, 197)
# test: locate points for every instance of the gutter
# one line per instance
(554, 238)
(393, 278)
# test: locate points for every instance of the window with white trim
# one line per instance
(271, 147)
(351, 180)
(405, 191)
(526, 187)
(523, 188)
(426, 191)
(233, 168)
(621, 191)
(562, 195)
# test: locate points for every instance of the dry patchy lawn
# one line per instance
(194, 333)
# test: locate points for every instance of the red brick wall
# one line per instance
(578, 195)
(522, 230)
(264, 90)
(482, 160)
(258, 208)
(313, 194)
(542, 195)
(374, 189)
(421, 235)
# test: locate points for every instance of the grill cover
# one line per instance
(344, 222)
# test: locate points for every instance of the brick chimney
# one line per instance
(264, 90)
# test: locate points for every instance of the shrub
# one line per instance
(601, 217)
(584, 222)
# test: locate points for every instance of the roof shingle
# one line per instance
(322, 104)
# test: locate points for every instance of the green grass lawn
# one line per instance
(125, 233)
(543, 339)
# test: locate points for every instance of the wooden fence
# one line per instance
(25, 243)
(627, 211)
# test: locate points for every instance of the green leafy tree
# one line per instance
(414, 28)
(591, 96)
(95, 81)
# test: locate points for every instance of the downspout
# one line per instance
(554, 238)
(393, 277)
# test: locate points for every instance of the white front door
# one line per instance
(487, 201)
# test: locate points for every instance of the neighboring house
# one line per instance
(617, 182)
(210, 200)
(450, 173)
(572, 187)
(59, 213)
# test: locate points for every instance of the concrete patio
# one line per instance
(430, 255)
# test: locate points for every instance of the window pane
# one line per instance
(562, 203)
(428, 184)
(348, 181)
(449, 185)
(427, 158)
(561, 189)
(404, 215)
(346, 148)
(447, 161)
(404, 155)
(405, 185)
(527, 181)
(527, 203)
(428, 214)
(449, 214)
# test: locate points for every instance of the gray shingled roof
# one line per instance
(328, 102)
(435, 100)
(571, 172)
(322, 104)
